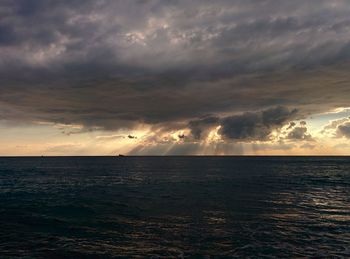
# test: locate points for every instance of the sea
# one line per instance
(175, 207)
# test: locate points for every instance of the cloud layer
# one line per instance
(118, 64)
(256, 126)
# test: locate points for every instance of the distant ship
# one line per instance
(120, 155)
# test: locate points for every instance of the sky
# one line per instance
(167, 77)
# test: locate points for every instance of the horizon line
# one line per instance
(124, 156)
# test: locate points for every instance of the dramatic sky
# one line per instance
(148, 77)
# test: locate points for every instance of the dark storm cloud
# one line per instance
(255, 126)
(114, 64)
(200, 126)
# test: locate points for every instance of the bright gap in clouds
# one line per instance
(318, 134)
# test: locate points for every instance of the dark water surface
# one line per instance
(105, 207)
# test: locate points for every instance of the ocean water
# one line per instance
(175, 207)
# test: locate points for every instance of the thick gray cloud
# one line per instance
(255, 126)
(200, 126)
(299, 133)
(113, 64)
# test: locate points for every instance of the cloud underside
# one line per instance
(249, 126)
(249, 67)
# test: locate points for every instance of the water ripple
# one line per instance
(175, 207)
